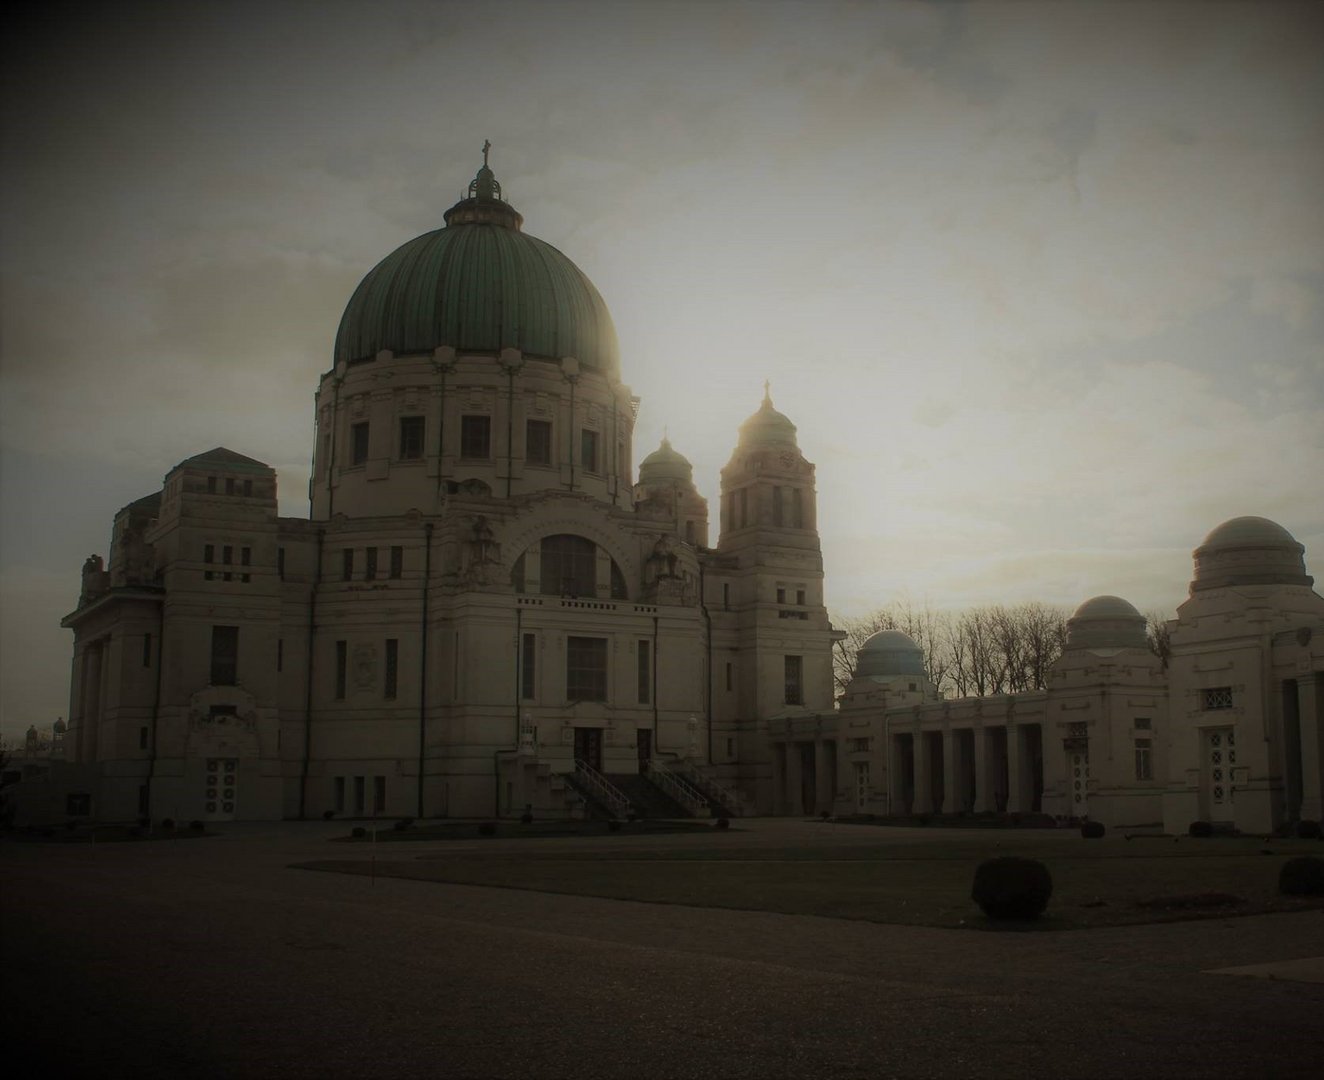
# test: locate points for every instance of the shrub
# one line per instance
(167, 823)
(1092, 830)
(721, 823)
(1303, 876)
(1201, 829)
(358, 832)
(1012, 888)
(526, 818)
(327, 815)
(196, 826)
(487, 828)
(1308, 830)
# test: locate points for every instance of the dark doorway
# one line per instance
(808, 781)
(937, 790)
(1034, 754)
(588, 746)
(905, 757)
(643, 739)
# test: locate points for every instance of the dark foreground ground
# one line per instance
(214, 958)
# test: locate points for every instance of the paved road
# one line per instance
(212, 958)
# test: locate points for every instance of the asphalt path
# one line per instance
(212, 957)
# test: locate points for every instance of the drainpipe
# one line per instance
(156, 708)
(308, 685)
(708, 645)
(655, 666)
(423, 665)
(441, 427)
(496, 754)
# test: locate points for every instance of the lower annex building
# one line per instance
(483, 613)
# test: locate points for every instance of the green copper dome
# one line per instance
(479, 285)
(666, 463)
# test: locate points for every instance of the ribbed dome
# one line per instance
(479, 285)
(767, 427)
(1106, 622)
(1249, 551)
(665, 463)
(889, 653)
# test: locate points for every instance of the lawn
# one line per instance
(1095, 882)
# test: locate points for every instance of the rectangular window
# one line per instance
(227, 559)
(358, 795)
(211, 485)
(1142, 723)
(229, 485)
(248, 489)
(142, 738)
(777, 506)
(397, 562)
(860, 745)
(781, 596)
(392, 674)
(339, 796)
(342, 659)
(528, 666)
(224, 655)
(476, 437)
(538, 442)
(147, 650)
(245, 559)
(1216, 697)
(800, 597)
(280, 654)
(730, 677)
(586, 669)
(794, 669)
(280, 563)
(645, 674)
(358, 443)
(1144, 770)
(588, 450)
(208, 556)
(370, 564)
(379, 794)
(411, 438)
(726, 597)
(347, 564)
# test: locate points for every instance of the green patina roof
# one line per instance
(479, 285)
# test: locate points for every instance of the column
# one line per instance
(950, 800)
(790, 803)
(1309, 703)
(923, 803)
(1016, 803)
(983, 785)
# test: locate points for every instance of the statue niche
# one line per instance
(480, 554)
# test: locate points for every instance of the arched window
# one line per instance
(569, 566)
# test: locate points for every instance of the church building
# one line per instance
(483, 614)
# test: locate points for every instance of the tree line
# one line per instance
(994, 649)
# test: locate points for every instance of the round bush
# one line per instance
(526, 818)
(358, 832)
(1303, 876)
(721, 823)
(1012, 888)
(1308, 830)
(487, 828)
(1092, 830)
(1201, 829)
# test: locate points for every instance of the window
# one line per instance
(347, 564)
(358, 795)
(411, 438)
(379, 794)
(569, 566)
(397, 562)
(224, 655)
(280, 654)
(248, 489)
(370, 564)
(147, 650)
(777, 506)
(1216, 697)
(390, 679)
(211, 485)
(339, 794)
(208, 556)
(528, 666)
(1144, 770)
(645, 674)
(538, 442)
(730, 676)
(586, 669)
(726, 597)
(227, 559)
(342, 656)
(860, 745)
(245, 559)
(794, 669)
(358, 443)
(142, 738)
(588, 450)
(800, 597)
(1142, 723)
(229, 485)
(280, 563)
(781, 596)
(797, 509)
(475, 437)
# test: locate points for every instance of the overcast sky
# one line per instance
(1042, 286)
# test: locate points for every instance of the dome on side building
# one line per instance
(479, 285)
(1249, 551)
(889, 653)
(666, 463)
(767, 427)
(1106, 622)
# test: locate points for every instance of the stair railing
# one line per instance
(602, 788)
(715, 792)
(677, 789)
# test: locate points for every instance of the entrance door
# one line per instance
(1220, 757)
(222, 784)
(643, 739)
(588, 746)
(1078, 769)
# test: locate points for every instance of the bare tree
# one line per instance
(1159, 634)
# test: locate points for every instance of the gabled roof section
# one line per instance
(223, 458)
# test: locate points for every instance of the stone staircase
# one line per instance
(646, 799)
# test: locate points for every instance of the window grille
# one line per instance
(794, 672)
(1144, 766)
(411, 438)
(1216, 697)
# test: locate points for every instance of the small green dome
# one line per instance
(665, 463)
(479, 285)
(767, 427)
(887, 654)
